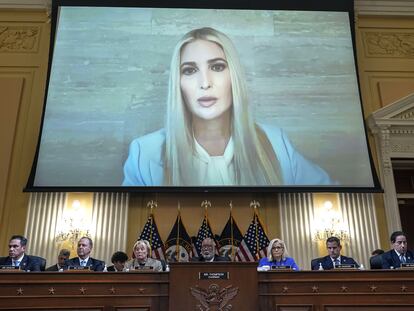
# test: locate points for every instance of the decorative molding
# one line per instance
(408, 114)
(389, 44)
(25, 4)
(20, 39)
(401, 147)
(393, 128)
(384, 7)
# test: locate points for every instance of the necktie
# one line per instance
(17, 263)
(83, 263)
(336, 262)
(402, 259)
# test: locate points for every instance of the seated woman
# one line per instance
(142, 260)
(277, 255)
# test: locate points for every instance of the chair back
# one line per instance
(375, 262)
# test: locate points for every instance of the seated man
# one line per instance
(208, 252)
(334, 258)
(399, 253)
(61, 264)
(17, 256)
(84, 249)
(118, 259)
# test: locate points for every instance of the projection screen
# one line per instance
(130, 106)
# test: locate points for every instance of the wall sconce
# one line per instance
(330, 223)
(72, 226)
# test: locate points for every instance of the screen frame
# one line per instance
(302, 5)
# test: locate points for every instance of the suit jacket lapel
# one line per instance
(395, 259)
(328, 262)
(24, 262)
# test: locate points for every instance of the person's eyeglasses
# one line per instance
(278, 247)
(207, 247)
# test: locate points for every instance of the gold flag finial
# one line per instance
(206, 204)
(152, 204)
(255, 204)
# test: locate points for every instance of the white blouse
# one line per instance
(214, 170)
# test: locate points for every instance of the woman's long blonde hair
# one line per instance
(270, 246)
(255, 161)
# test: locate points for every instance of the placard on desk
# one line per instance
(78, 269)
(8, 268)
(345, 267)
(407, 266)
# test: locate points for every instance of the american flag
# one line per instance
(203, 233)
(254, 243)
(151, 234)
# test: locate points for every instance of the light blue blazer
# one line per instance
(144, 166)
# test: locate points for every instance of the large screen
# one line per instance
(161, 98)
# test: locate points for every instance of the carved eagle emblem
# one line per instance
(214, 298)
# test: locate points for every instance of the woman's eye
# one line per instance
(218, 67)
(188, 70)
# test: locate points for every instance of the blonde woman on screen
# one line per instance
(210, 138)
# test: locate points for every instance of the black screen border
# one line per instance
(301, 5)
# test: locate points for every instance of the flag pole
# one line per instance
(177, 246)
(151, 205)
(255, 205)
(231, 231)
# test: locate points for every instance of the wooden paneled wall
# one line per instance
(385, 48)
(24, 47)
(385, 52)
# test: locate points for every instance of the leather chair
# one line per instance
(42, 262)
(375, 262)
(315, 262)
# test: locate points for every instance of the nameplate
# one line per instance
(142, 269)
(9, 268)
(278, 268)
(213, 275)
(345, 266)
(79, 269)
(407, 265)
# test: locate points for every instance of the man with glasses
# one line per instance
(208, 252)
(399, 253)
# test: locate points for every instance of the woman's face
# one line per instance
(140, 252)
(205, 79)
(277, 250)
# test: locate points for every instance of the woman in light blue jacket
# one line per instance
(209, 137)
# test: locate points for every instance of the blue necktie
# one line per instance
(16, 263)
(83, 263)
(402, 259)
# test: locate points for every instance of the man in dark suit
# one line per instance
(17, 256)
(118, 259)
(208, 252)
(399, 253)
(61, 264)
(334, 258)
(84, 249)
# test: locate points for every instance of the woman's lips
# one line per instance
(207, 101)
